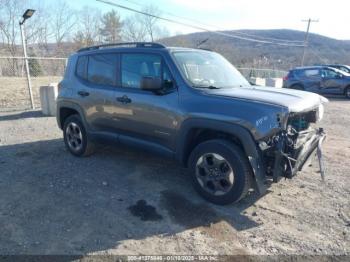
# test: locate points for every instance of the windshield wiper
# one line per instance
(209, 87)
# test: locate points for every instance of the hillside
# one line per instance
(251, 54)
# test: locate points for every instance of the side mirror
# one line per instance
(151, 83)
(339, 76)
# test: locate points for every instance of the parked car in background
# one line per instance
(344, 68)
(319, 79)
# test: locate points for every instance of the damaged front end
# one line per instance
(286, 152)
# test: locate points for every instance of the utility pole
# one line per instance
(309, 21)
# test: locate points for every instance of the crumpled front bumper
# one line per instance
(309, 149)
(306, 145)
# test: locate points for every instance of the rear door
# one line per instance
(97, 90)
(311, 79)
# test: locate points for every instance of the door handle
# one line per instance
(83, 93)
(124, 99)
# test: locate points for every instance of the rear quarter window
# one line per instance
(312, 72)
(81, 67)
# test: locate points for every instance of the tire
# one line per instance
(74, 133)
(347, 92)
(201, 175)
(298, 87)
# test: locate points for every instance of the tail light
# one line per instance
(285, 78)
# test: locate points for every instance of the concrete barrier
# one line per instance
(258, 81)
(48, 95)
(274, 82)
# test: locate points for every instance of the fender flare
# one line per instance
(253, 154)
(70, 105)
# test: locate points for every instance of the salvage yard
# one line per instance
(122, 201)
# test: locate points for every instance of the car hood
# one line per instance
(293, 100)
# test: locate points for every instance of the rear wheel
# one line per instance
(220, 171)
(75, 137)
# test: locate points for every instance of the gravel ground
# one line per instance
(122, 201)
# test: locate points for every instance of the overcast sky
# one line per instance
(248, 14)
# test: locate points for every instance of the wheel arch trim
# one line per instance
(245, 137)
(69, 105)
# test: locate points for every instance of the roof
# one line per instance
(311, 67)
(143, 45)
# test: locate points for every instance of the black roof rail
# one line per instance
(122, 44)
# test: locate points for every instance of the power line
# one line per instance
(218, 28)
(197, 27)
(309, 21)
(270, 38)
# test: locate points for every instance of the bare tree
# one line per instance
(150, 22)
(134, 30)
(9, 17)
(63, 21)
(88, 27)
(111, 27)
(38, 31)
(9, 33)
(141, 27)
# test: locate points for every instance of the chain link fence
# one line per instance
(263, 73)
(14, 92)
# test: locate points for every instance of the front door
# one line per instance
(146, 115)
(331, 82)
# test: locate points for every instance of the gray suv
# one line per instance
(319, 79)
(191, 105)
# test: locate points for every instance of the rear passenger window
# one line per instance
(136, 66)
(81, 67)
(102, 69)
(312, 72)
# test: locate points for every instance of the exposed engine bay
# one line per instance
(286, 152)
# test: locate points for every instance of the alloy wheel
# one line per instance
(74, 136)
(214, 174)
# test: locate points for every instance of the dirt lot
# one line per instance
(121, 201)
(14, 91)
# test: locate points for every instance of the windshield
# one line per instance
(208, 70)
(342, 72)
(345, 69)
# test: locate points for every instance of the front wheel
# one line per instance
(220, 171)
(75, 137)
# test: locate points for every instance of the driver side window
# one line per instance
(136, 66)
(329, 73)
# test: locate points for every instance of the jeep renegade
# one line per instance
(191, 105)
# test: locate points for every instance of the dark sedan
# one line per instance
(319, 79)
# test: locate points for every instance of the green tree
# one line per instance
(34, 67)
(111, 27)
